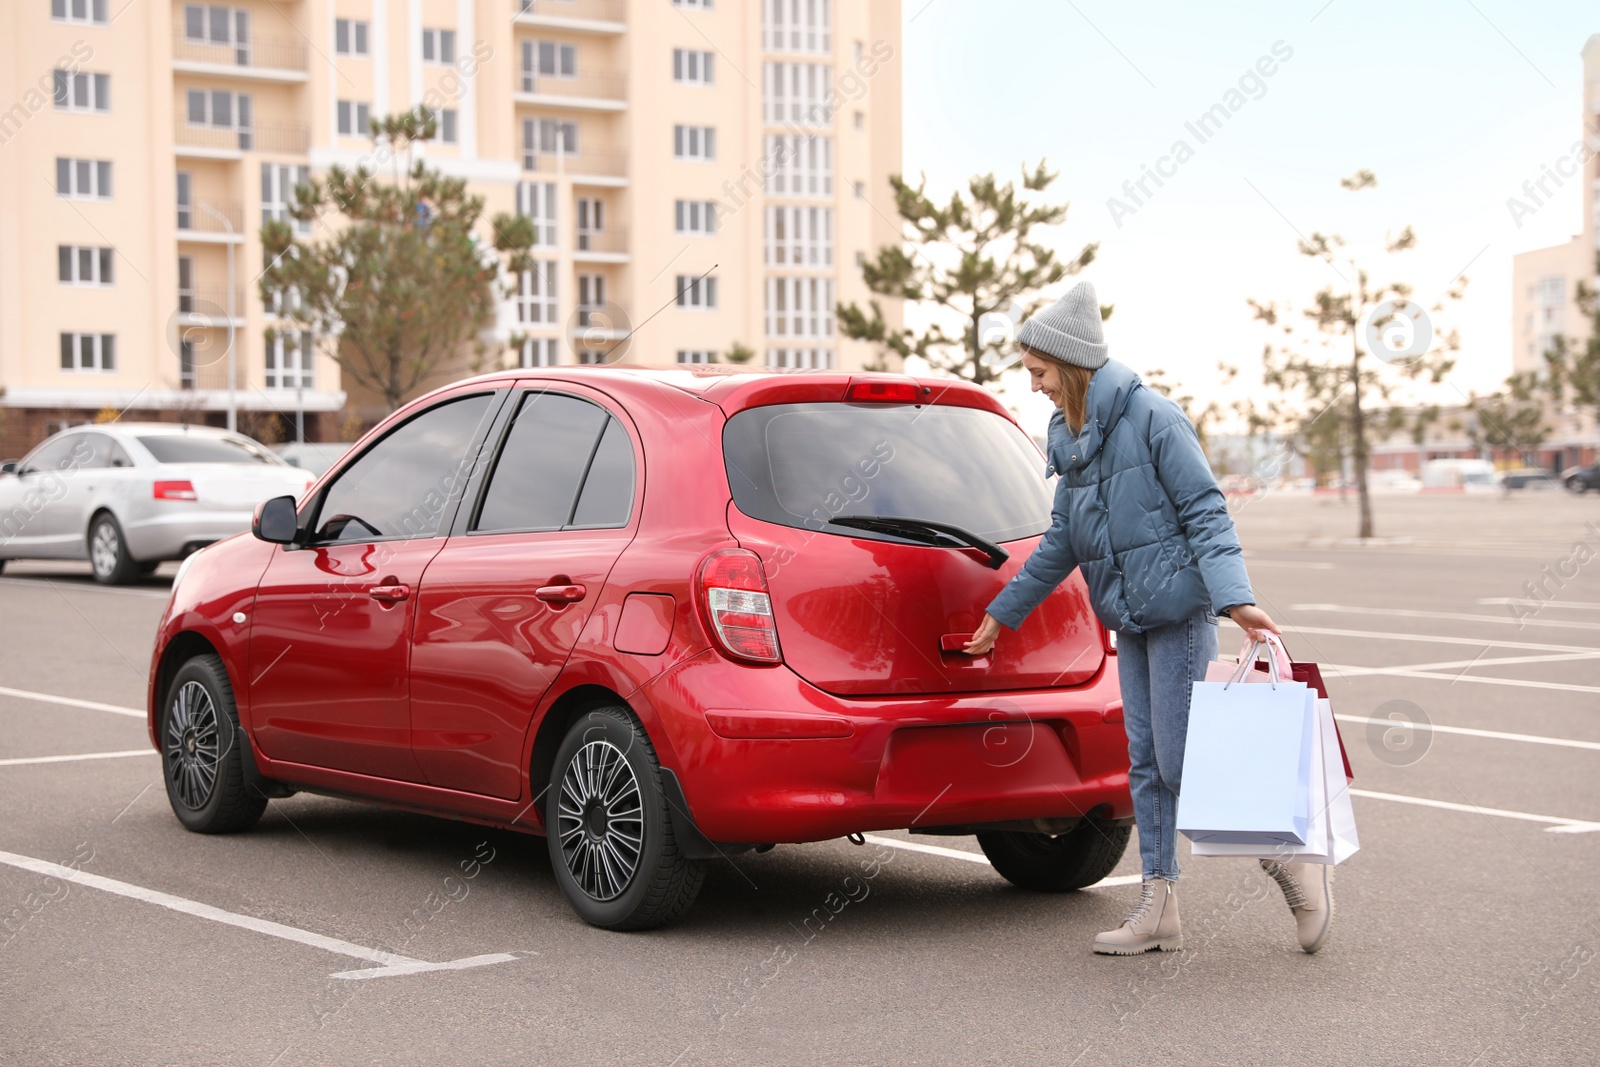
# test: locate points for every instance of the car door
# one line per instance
(330, 635)
(32, 523)
(503, 603)
(87, 481)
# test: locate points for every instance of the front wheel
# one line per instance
(609, 827)
(200, 752)
(1048, 864)
(108, 552)
(1577, 485)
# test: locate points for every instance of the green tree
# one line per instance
(973, 258)
(402, 286)
(1339, 392)
(1574, 363)
(739, 352)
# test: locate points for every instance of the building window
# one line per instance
(210, 24)
(859, 189)
(350, 37)
(536, 201)
(692, 67)
(703, 5)
(1553, 290)
(801, 358)
(221, 110)
(83, 265)
(289, 359)
(547, 137)
(797, 25)
(695, 292)
(591, 357)
(591, 221)
(89, 351)
(185, 285)
(861, 260)
(799, 307)
(82, 91)
(696, 355)
(798, 236)
(800, 165)
(278, 182)
(695, 216)
(446, 120)
(539, 352)
(536, 293)
(797, 93)
(591, 298)
(90, 11)
(694, 142)
(438, 46)
(185, 189)
(354, 119)
(861, 120)
(547, 59)
(88, 179)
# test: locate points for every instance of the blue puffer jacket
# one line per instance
(1138, 509)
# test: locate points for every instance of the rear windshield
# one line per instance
(182, 448)
(802, 465)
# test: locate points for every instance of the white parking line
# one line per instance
(1402, 672)
(19, 761)
(1559, 825)
(61, 586)
(1497, 735)
(1506, 601)
(1438, 639)
(977, 857)
(92, 705)
(390, 963)
(1459, 664)
(1452, 616)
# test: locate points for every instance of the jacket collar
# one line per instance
(1110, 389)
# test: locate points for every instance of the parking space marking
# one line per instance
(1459, 664)
(1439, 639)
(390, 964)
(1342, 670)
(1524, 602)
(46, 583)
(1448, 616)
(92, 705)
(976, 857)
(1496, 735)
(20, 761)
(1558, 824)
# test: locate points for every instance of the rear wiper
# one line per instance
(929, 533)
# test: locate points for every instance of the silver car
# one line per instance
(126, 496)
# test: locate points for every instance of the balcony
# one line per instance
(221, 142)
(576, 16)
(278, 59)
(209, 307)
(586, 91)
(592, 166)
(602, 246)
(197, 225)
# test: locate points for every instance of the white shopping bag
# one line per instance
(1248, 762)
(1332, 838)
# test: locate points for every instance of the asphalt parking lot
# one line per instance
(338, 932)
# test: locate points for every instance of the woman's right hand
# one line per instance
(983, 639)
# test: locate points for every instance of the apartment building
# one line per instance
(701, 174)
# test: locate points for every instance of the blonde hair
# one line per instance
(1074, 388)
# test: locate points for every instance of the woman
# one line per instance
(1138, 510)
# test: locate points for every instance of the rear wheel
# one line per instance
(201, 757)
(609, 827)
(1048, 864)
(108, 552)
(1576, 484)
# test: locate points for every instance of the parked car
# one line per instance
(1393, 481)
(659, 617)
(128, 496)
(1528, 478)
(1468, 475)
(1583, 479)
(313, 456)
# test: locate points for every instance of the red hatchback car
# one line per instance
(657, 616)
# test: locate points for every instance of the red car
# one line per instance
(657, 616)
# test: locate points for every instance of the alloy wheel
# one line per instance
(193, 745)
(600, 820)
(104, 548)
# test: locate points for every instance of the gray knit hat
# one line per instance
(1068, 331)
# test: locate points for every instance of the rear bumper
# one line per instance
(803, 765)
(174, 533)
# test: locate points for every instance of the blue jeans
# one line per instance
(1155, 669)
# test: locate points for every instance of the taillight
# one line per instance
(876, 389)
(1110, 640)
(176, 491)
(738, 607)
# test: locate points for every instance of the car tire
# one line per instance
(149, 566)
(613, 849)
(1577, 485)
(108, 552)
(202, 758)
(1078, 858)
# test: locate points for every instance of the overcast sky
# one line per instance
(1454, 105)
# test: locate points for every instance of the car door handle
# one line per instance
(390, 594)
(561, 594)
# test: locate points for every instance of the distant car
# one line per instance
(1394, 481)
(1528, 478)
(1462, 475)
(312, 456)
(127, 496)
(1584, 479)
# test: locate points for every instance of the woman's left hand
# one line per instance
(983, 639)
(1256, 623)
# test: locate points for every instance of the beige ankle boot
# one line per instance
(1153, 923)
(1308, 890)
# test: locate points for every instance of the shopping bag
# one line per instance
(1332, 835)
(1247, 764)
(1221, 670)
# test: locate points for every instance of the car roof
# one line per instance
(152, 428)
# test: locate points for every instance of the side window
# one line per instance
(100, 451)
(538, 475)
(399, 487)
(63, 453)
(607, 497)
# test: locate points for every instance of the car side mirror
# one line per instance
(276, 522)
(8, 467)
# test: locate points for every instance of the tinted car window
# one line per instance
(803, 464)
(401, 485)
(104, 452)
(203, 448)
(607, 498)
(60, 453)
(537, 475)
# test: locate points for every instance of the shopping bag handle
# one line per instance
(1247, 661)
(1275, 651)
